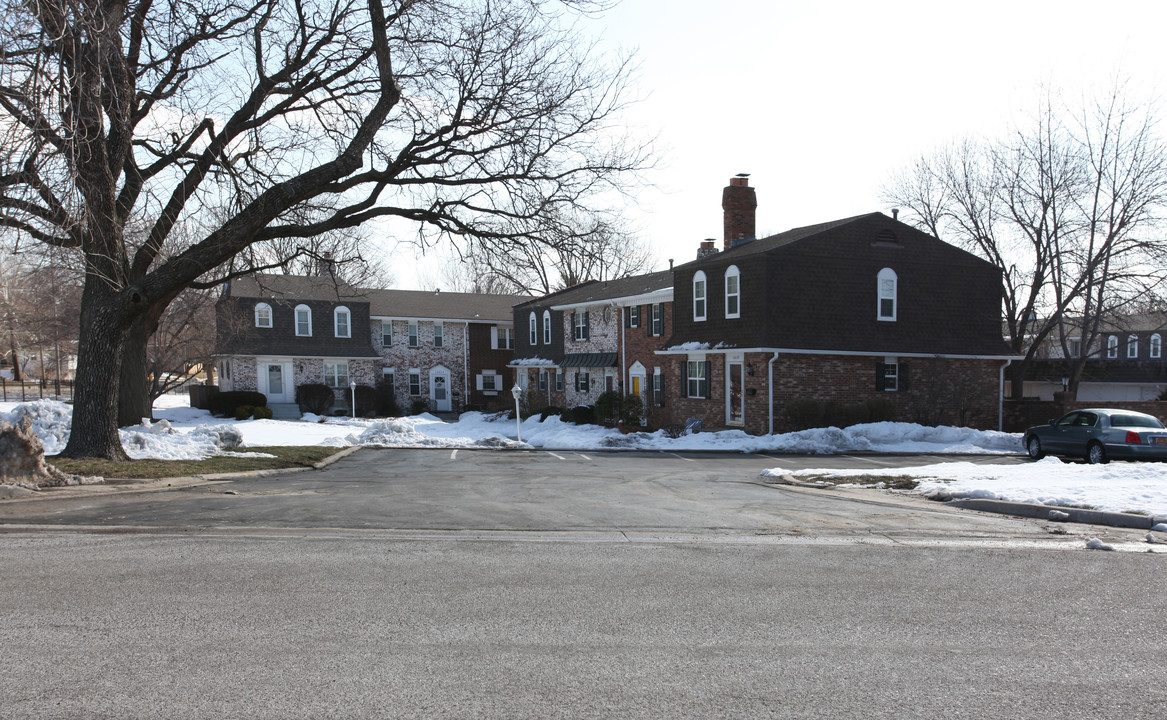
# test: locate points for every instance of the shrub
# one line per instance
(367, 400)
(243, 412)
(607, 407)
(549, 411)
(262, 413)
(315, 398)
(631, 407)
(224, 404)
(419, 406)
(674, 431)
(580, 415)
(386, 399)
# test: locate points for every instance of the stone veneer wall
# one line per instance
(424, 357)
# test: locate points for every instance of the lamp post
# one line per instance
(517, 391)
(352, 386)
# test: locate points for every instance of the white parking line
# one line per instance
(453, 454)
(681, 456)
(558, 457)
(585, 457)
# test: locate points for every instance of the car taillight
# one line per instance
(1132, 437)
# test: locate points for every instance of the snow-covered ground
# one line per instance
(182, 432)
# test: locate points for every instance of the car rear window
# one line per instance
(1134, 421)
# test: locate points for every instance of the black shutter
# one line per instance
(647, 315)
(627, 316)
(903, 378)
(573, 337)
(587, 324)
(708, 379)
(684, 378)
(880, 369)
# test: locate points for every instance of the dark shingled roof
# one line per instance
(601, 290)
(588, 360)
(475, 307)
(761, 245)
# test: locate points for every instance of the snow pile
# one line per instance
(51, 421)
(161, 441)
(403, 432)
(1117, 487)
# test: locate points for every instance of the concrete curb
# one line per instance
(150, 484)
(1046, 512)
(1052, 513)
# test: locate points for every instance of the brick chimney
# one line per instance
(739, 203)
(708, 247)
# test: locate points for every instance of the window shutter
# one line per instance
(493, 340)
(587, 324)
(646, 313)
(478, 381)
(905, 385)
(684, 379)
(627, 317)
(880, 368)
(708, 379)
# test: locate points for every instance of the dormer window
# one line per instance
(533, 327)
(1156, 346)
(1112, 347)
(1132, 346)
(263, 315)
(546, 327)
(303, 321)
(342, 322)
(699, 295)
(887, 284)
(733, 307)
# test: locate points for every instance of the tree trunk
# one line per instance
(99, 367)
(134, 401)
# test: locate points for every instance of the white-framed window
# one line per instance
(658, 319)
(542, 379)
(439, 335)
(1132, 346)
(336, 374)
(415, 381)
(386, 333)
(1112, 346)
(888, 377)
(342, 322)
(389, 377)
(733, 307)
(1075, 347)
(887, 283)
(546, 327)
(303, 321)
(489, 381)
(1156, 346)
(559, 380)
(583, 382)
(581, 325)
(413, 342)
(533, 326)
(697, 379)
(658, 389)
(634, 316)
(502, 338)
(699, 295)
(262, 315)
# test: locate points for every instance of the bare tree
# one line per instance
(1066, 208)
(472, 119)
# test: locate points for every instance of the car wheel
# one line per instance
(1096, 454)
(1033, 446)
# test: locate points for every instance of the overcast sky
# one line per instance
(821, 101)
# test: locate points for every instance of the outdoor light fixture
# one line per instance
(353, 387)
(517, 391)
(750, 370)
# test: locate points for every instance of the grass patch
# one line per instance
(285, 457)
(891, 482)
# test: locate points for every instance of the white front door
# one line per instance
(440, 389)
(275, 381)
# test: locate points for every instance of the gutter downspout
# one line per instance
(625, 379)
(1001, 397)
(465, 364)
(770, 370)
